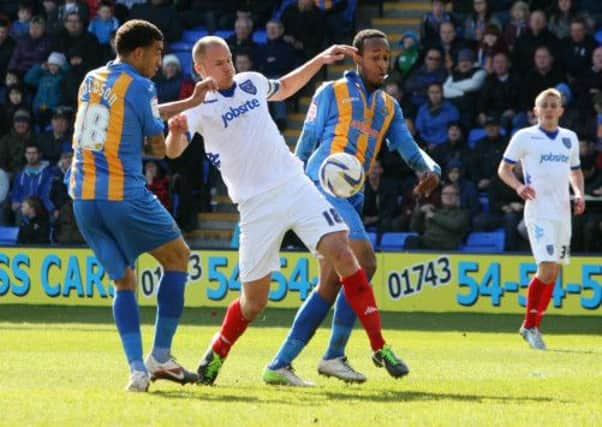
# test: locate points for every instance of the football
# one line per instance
(341, 175)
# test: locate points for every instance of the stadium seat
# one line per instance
(477, 133)
(180, 46)
(192, 35)
(484, 202)
(186, 61)
(393, 241)
(260, 37)
(224, 34)
(8, 236)
(485, 242)
(373, 237)
(598, 37)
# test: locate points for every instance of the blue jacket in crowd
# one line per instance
(34, 181)
(432, 125)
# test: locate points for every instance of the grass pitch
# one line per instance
(64, 366)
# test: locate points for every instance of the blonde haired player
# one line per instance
(272, 192)
(550, 159)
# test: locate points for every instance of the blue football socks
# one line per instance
(307, 320)
(125, 313)
(170, 305)
(342, 326)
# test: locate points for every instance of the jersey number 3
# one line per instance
(91, 126)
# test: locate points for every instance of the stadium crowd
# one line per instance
(465, 83)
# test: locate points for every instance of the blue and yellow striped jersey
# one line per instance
(117, 108)
(344, 117)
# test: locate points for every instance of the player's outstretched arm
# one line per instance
(177, 138)
(506, 173)
(170, 109)
(577, 184)
(296, 79)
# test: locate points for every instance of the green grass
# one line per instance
(64, 366)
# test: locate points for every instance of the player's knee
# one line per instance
(546, 272)
(251, 308)
(369, 266)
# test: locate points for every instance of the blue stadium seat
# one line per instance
(598, 37)
(485, 242)
(8, 236)
(477, 133)
(180, 46)
(224, 34)
(260, 37)
(373, 237)
(186, 61)
(393, 241)
(192, 35)
(484, 202)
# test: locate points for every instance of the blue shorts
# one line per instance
(119, 231)
(351, 211)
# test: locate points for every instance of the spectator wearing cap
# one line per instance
(12, 145)
(74, 37)
(7, 46)
(576, 49)
(429, 30)
(47, 79)
(171, 83)
(536, 35)
(478, 20)
(488, 152)
(57, 140)
(161, 13)
(304, 27)
(468, 194)
(408, 56)
(104, 23)
(434, 117)
(499, 95)
(74, 6)
(432, 71)
(34, 179)
(463, 84)
(31, 49)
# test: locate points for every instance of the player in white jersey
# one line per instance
(549, 156)
(273, 194)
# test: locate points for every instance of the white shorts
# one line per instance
(264, 219)
(550, 240)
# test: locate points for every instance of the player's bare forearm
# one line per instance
(175, 145)
(577, 182)
(154, 146)
(170, 109)
(296, 79)
(506, 173)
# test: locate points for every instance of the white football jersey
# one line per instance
(241, 139)
(547, 160)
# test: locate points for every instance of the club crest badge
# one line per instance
(550, 249)
(248, 87)
(566, 142)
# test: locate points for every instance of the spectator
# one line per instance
(454, 149)
(560, 16)
(33, 228)
(570, 119)
(7, 46)
(380, 200)
(14, 101)
(4, 189)
(537, 35)
(243, 62)
(544, 75)
(77, 7)
(57, 140)
(74, 38)
(505, 210)
(339, 19)
(450, 44)
(242, 38)
(104, 23)
(213, 14)
(429, 30)
(74, 75)
(477, 21)
(519, 16)
(394, 89)
(59, 194)
(162, 14)
(468, 194)
(576, 49)
(171, 83)
(488, 153)
(441, 228)
(434, 116)
(432, 71)
(47, 78)
(463, 84)
(499, 95)
(157, 182)
(304, 27)
(31, 49)
(35, 179)
(491, 44)
(20, 27)
(51, 15)
(589, 83)
(12, 145)
(408, 55)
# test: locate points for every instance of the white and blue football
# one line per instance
(341, 175)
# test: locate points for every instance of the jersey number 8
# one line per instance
(91, 126)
